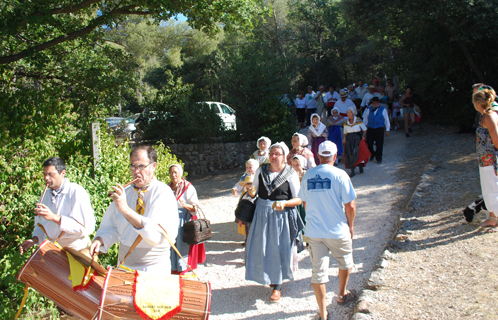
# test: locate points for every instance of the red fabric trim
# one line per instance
(168, 315)
(363, 154)
(82, 287)
(185, 189)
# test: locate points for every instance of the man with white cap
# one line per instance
(329, 200)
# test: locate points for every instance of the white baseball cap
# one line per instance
(327, 149)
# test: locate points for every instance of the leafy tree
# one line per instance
(30, 28)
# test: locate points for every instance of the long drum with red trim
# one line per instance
(109, 297)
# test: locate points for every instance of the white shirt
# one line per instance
(153, 253)
(384, 113)
(332, 96)
(355, 127)
(300, 103)
(367, 97)
(77, 219)
(189, 196)
(343, 106)
(310, 100)
(361, 91)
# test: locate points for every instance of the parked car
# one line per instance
(112, 122)
(226, 114)
(126, 127)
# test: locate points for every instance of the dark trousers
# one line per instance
(377, 136)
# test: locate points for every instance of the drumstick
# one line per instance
(133, 246)
(129, 183)
(87, 273)
(43, 229)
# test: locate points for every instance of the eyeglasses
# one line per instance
(276, 154)
(139, 167)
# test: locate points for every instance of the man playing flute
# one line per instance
(140, 210)
(65, 209)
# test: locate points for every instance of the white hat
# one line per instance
(268, 141)
(281, 145)
(301, 159)
(303, 140)
(179, 168)
(327, 149)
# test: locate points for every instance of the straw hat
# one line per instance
(248, 179)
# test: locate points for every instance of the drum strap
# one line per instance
(165, 234)
(23, 300)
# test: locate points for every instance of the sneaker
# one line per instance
(372, 157)
(352, 174)
(379, 161)
(361, 168)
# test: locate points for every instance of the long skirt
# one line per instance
(315, 142)
(489, 188)
(193, 254)
(356, 151)
(335, 135)
(269, 248)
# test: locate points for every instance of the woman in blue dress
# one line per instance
(276, 223)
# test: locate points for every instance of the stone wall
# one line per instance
(203, 158)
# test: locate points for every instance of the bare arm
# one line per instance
(491, 123)
(288, 204)
(350, 209)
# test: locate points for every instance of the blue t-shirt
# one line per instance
(326, 189)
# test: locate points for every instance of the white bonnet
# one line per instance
(303, 140)
(282, 146)
(301, 159)
(254, 163)
(268, 141)
(179, 168)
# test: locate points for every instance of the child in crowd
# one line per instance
(245, 182)
(298, 164)
(261, 155)
(251, 166)
(396, 112)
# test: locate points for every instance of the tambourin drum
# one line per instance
(117, 298)
(47, 271)
(107, 297)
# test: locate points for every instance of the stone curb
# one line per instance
(400, 241)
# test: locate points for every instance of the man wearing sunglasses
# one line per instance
(137, 214)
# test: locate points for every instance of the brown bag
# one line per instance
(198, 230)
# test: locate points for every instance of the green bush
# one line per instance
(46, 134)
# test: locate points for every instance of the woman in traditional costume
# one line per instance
(299, 147)
(262, 153)
(334, 124)
(317, 133)
(186, 198)
(276, 223)
(354, 132)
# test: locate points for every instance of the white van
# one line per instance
(226, 114)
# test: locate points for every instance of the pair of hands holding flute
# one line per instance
(119, 198)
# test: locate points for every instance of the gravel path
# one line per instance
(383, 191)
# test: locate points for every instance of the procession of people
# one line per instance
(295, 192)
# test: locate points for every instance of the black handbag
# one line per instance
(245, 210)
(198, 230)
